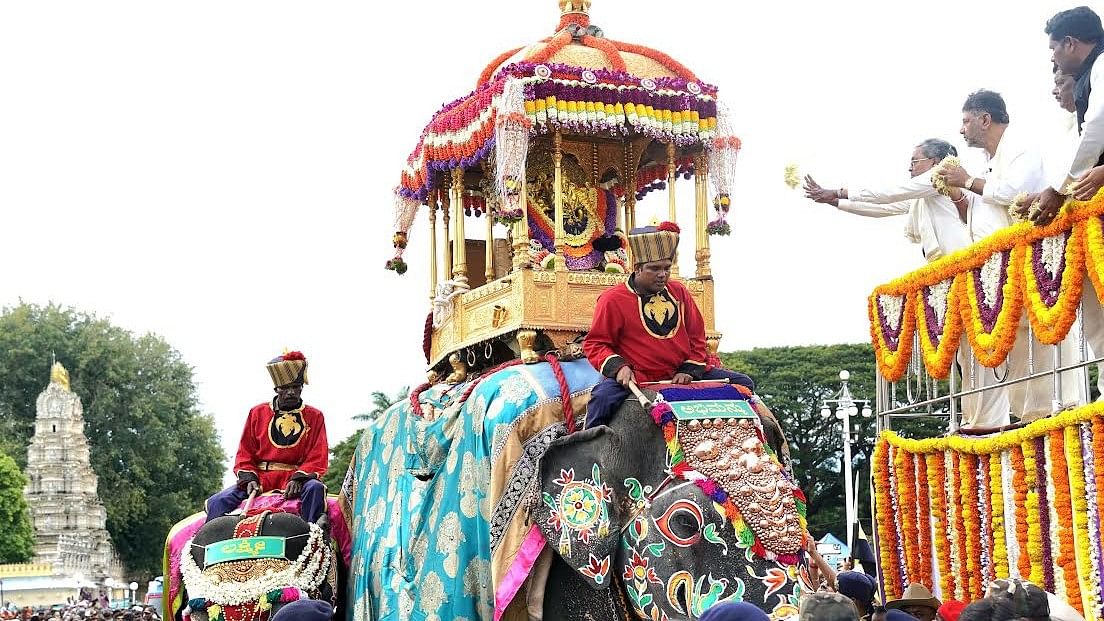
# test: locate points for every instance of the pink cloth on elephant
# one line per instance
(188, 527)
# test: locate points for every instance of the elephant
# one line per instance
(631, 539)
(249, 567)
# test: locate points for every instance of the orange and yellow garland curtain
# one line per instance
(1025, 503)
(985, 289)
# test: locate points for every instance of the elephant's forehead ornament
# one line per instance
(730, 452)
(726, 457)
(241, 580)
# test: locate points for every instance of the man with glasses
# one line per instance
(1076, 41)
(939, 224)
(935, 221)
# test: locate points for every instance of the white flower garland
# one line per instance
(991, 277)
(306, 573)
(937, 299)
(891, 306)
(1054, 248)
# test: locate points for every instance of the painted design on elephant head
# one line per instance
(581, 508)
(596, 569)
(692, 596)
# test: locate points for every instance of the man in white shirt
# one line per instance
(1076, 42)
(935, 221)
(1014, 166)
(938, 224)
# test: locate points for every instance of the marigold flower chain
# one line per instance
(1080, 522)
(1040, 279)
(1045, 523)
(996, 512)
(1019, 483)
(923, 510)
(886, 532)
(962, 536)
(906, 500)
(937, 486)
(1063, 508)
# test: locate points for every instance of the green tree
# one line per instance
(157, 457)
(341, 455)
(16, 533)
(794, 382)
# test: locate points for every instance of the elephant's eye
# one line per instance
(681, 523)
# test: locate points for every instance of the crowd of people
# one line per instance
(854, 599)
(949, 208)
(81, 610)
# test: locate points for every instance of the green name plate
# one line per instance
(243, 548)
(696, 410)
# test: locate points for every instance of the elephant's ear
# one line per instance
(577, 510)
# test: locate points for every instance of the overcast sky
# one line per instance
(220, 173)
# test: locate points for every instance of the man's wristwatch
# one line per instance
(970, 183)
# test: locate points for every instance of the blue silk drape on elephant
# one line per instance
(438, 504)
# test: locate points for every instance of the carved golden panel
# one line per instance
(555, 302)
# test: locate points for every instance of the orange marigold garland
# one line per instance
(906, 500)
(1081, 537)
(961, 536)
(1019, 484)
(1085, 223)
(1034, 544)
(892, 347)
(992, 331)
(938, 357)
(971, 519)
(937, 487)
(996, 515)
(1051, 302)
(923, 524)
(1066, 557)
(1092, 235)
(887, 540)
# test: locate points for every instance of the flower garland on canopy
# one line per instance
(1015, 267)
(528, 98)
(1055, 467)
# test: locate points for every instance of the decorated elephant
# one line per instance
(246, 567)
(448, 494)
(664, 513)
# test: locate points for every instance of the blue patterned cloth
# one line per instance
(422, 518)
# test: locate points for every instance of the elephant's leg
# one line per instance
(567, 597)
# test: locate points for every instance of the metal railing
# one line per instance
(919, 396)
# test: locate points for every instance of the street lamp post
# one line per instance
(846, 406)
(133, 592)
(109, 582)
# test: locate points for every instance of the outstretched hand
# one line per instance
(818, 194)
(954, 176)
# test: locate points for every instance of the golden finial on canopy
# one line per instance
(574, 6)
(59, 376)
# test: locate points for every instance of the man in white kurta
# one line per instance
(939, 224)
(1014, 165)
